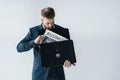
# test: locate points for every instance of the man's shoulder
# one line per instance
(37, 27)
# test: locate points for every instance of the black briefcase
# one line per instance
(55, 53)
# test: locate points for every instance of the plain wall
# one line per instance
(94, 26)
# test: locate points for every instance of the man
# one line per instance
(35, 37)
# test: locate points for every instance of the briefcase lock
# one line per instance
(58, 55)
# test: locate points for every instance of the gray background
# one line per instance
(94, 26)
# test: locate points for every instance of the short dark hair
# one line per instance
(48, 12)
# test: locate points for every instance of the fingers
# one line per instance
(67, 63)
(39, 39)
(42, 37)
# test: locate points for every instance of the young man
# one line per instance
(35, 37)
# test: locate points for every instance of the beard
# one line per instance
(50, 28)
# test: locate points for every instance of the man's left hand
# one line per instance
(67, 63)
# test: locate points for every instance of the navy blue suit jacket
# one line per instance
(27, 43)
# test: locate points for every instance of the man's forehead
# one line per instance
(49, 20)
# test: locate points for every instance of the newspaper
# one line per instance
(54, 36)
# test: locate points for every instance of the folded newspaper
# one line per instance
(54, 36)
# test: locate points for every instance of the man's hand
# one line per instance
(68, 64)
(39, 39)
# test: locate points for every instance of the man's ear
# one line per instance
(41, 19)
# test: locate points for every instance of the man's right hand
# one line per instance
(39, 39)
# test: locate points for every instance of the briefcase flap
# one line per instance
(55, 53)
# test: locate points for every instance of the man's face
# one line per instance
(48, 23)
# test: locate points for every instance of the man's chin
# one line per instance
(50, 28)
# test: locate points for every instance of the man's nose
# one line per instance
(50, 25)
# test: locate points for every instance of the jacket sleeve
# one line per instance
(26, 44)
